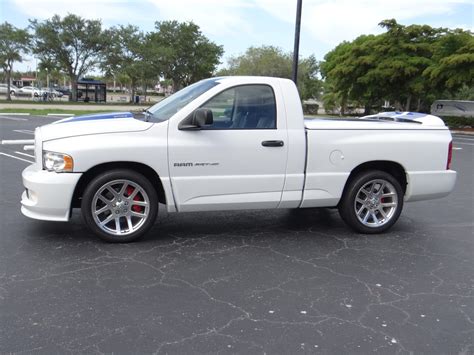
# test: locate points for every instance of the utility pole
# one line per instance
(296, 50)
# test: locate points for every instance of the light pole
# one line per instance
(296, 50)
(35, 83)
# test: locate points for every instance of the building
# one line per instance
(24, 81)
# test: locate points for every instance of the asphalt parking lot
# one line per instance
(277, 282)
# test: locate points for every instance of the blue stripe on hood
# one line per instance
(97, 116)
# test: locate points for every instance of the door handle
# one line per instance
(273, 143)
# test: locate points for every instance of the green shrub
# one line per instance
(458, 122)
(310, 108)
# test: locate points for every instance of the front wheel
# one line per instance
(120, 206)
(372, 202)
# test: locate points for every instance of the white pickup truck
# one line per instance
(234, 143)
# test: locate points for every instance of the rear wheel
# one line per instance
(120, 206)
(372, 202)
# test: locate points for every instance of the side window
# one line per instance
(244, 107)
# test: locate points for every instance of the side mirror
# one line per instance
(199, 118)
(202, 117)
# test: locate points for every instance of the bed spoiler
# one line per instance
(411, 117)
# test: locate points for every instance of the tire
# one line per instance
(374, 211)
(120, 206)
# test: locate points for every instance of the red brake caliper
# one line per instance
(382, 199)
(135, 208)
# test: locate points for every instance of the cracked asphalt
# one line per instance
(251, 282)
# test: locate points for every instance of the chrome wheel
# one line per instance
(120, 207)
(376, 203)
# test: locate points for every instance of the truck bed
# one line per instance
(383, 121)
(410, 142)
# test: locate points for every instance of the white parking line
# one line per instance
(25, 131)
(17, 141)
(14, 157)
(457, 148)
(14, 118)
(26, 155)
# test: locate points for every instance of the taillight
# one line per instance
(450, 155)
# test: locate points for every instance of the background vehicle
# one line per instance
(52, 92)
(4, 88)
(30, 91)
(234, 143)
(63, 89)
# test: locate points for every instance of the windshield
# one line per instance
(166, 108)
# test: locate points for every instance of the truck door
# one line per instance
(239, 161)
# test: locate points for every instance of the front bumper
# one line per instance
(48, 195)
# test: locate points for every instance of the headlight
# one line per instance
(57, 162)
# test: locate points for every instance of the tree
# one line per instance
(272, 61)
(335, 69)
(13, 44)
(48, 69)
(182, 53)
(73, 43)
(126, 56)
(404, 54)
(260, 61)
(309, 83)
(408, 65)
(453, 61)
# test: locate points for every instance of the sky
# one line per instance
(239, 24)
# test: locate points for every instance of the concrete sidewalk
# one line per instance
(467, 131)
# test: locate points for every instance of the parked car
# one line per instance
(4, 89)
(54, 93)
(30, 91)
(63, 89)
(234, 143)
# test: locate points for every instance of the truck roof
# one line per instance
(249, 79)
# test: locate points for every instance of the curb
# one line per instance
(13, 114)
(467, 133)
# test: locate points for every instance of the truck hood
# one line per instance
(115, 122)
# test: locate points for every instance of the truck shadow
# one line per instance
(246, 223)
(277, 224)
(198, 224)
